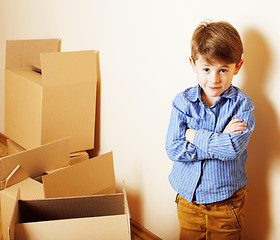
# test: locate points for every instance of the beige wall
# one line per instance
(144, 47)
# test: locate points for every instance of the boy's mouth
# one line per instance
(214, 88)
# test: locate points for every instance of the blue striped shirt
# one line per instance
(212, 168)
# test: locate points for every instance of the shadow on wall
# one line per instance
(264, 144)
(95, 151)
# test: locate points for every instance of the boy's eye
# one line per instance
(206, 69)
(223, 70)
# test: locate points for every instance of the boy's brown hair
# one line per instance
(216, 41)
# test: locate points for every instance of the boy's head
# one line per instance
(216, 57)
(216, 41)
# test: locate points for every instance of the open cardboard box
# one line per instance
(100, 217)
(70, 210)
(59, 102)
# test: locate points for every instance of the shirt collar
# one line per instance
(230, 92)
(195, 93)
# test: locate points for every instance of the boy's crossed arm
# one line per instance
(183, 144)
(236, 126)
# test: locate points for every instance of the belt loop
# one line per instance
(177, 198)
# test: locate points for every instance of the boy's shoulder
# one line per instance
(238, 94)
(190, 94)
(239, 99)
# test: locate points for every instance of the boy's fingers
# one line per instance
(236, 120)
(237, 132)
(242, 125)
(239, 124)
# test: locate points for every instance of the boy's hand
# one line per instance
(236, 126)
(189, 135)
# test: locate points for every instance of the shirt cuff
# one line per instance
(202, 139)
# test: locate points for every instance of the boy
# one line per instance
(208, 133)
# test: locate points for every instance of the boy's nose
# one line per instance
(215, 78)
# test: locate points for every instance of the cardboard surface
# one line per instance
(35, 162)
(25, 53)
(78, 157)
(60, 102)
(95, 228)
(30, 189)
(13, 147)
(89, 177)
(22, 109)
(72, 207)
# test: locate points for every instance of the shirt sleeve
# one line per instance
(177, 148)
(228, 146)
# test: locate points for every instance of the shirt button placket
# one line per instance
(212, 119)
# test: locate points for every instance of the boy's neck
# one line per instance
(210, 101)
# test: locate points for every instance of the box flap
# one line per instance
(15, 176)
(69, 67)
(69, 110)
(93, 176)
(30, 189)
(70, 77)
(38, 160)
(25, 53)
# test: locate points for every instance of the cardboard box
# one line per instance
(34, 162)
(60, 102)
(81, 216)
(29, 188)
(101, 217)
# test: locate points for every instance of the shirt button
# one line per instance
(197, 173)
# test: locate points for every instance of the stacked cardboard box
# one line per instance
(50, 188)
(55, 102)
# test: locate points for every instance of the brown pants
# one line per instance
(216, 221)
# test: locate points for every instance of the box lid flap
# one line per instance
(37, 160)
(69, 67)
(92, 176)
(25, 53)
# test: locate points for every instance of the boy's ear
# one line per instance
(238, 66)
(192, 63)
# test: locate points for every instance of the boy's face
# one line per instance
(214, 78)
